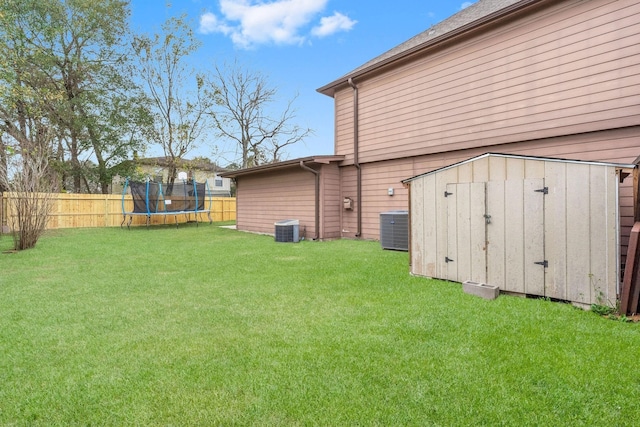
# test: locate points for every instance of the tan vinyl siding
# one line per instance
(344, 124)
(568, 69)
(617, 146)
(349, 222)
(376, 180)
(263, 199)
(330, 202)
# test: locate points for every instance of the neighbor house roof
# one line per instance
(198, 163)
(283, 165)
(472, 17)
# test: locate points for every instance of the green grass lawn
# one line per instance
(209, 326)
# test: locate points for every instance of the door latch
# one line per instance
(544, 263)
(447, 259)
(543, 190)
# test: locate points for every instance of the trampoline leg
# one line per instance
(148, 220)
(129, 223)
(124, 218)
(176, 217)
(210, 220)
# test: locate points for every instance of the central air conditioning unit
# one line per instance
(287, 230)
(394, 230)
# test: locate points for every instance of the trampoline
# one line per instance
(151, 198)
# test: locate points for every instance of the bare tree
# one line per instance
(30, 183)
(179, 114)
(242, 116)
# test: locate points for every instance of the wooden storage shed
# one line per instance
(529, 225)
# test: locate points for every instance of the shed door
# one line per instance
(495, 234)
(515, 236)
(466, 237)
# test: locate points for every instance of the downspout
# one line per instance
(317, 198)
(356, 163)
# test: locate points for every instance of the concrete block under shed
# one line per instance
(480, 289)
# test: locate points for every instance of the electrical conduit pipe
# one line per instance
(317, 198)
(355, 157)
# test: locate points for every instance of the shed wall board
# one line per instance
(533, 238)
(578, 231)
(555, 238)
(416, 219)
(496, 233)
(514, 235)
(467, 244)
(478, 236)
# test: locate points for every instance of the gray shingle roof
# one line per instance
(476, 12)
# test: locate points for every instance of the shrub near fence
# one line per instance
(105, 210)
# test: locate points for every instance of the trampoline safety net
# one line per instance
(155, 198)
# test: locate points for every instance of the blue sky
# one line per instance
(297, 45)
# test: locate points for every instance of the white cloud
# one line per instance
(332, 24)
(209, 23)
(465, 5)
(253, 22)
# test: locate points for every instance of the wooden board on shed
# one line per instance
(630, 288)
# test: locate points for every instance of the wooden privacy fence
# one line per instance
(105, 210)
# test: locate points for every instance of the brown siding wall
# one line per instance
(344, 124)
(263, 199)
(570, 68)
(620, 146)
(330, 202)
(349, 219)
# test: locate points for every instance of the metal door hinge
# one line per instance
(544, 263)
(447, 259)
(447, 194)
(544, 190)
(487, 218)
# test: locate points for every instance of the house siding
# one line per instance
(331, 203)
(562, 80)
(344, 124)
(551, 79)
(616, 146)
(566, 69)
(349, 219)
(265, 198)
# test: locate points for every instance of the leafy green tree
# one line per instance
(67, 64)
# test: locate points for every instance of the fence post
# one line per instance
(2, 220)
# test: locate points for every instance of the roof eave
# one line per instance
(326, 159)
